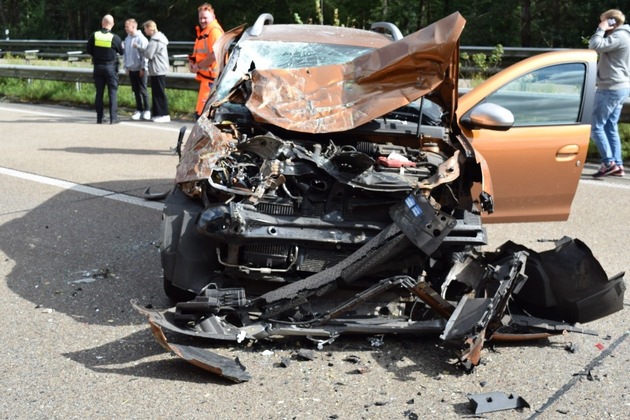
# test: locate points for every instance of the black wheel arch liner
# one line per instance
(186, 263)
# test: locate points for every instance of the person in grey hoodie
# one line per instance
(136, 69)
(157, 54)
(611, 40)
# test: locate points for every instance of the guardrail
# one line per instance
(74, 51)
(184, 81)
(59, 48)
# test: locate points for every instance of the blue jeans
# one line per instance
(604, 132)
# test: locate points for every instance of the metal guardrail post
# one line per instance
(178, 61)
(30, 55)
(74, 57)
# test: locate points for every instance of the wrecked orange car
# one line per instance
(334, 184)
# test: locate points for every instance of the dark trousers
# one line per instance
(160, 101)
(139, 88)
(106, 75)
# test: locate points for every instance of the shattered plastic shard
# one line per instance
(496, 401)
(205, 359)
(212, 362)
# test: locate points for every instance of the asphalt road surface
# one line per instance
(78, 242)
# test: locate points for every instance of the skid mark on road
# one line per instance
(98, 192)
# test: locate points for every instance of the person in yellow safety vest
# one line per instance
(202, 61)
(105, 47)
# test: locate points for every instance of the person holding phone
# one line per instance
(611, 40)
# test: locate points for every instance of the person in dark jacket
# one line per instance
(105, 47)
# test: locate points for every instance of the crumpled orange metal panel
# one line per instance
(199, 157)
(222, 45)
(336, 97)
(340, 97)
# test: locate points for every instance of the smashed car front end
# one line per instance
(298, 167)
(328, 198)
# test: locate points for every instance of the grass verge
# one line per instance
(181, 102)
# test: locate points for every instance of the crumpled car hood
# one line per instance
(340, 97)
(337, 98)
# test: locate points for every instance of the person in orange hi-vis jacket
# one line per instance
(202, 61)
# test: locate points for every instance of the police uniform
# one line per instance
(104, 47)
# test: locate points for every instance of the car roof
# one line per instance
(337, 35)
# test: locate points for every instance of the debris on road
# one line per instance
(548, 284)
(305, 354)
(207, 360)
(495, 401)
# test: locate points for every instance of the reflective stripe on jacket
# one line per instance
(104, 47)
(103, 40)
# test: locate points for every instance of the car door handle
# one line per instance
(568, 152)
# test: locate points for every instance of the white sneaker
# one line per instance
(146, 115)
(162, 119)
(136, 115)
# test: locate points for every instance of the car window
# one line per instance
(547, 96)
(265, 55)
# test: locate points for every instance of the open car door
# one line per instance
(536, 164)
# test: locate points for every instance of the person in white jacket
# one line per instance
(611, 40)
(157, 54)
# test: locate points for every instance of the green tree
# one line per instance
(523, 23)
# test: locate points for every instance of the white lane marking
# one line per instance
(129, 199)
(48, 114)
(98, 192)
(149, 204)
(605, 184)
(141, 124)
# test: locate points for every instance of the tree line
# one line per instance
(519, 23)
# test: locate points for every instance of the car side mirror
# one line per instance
(490, 116)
